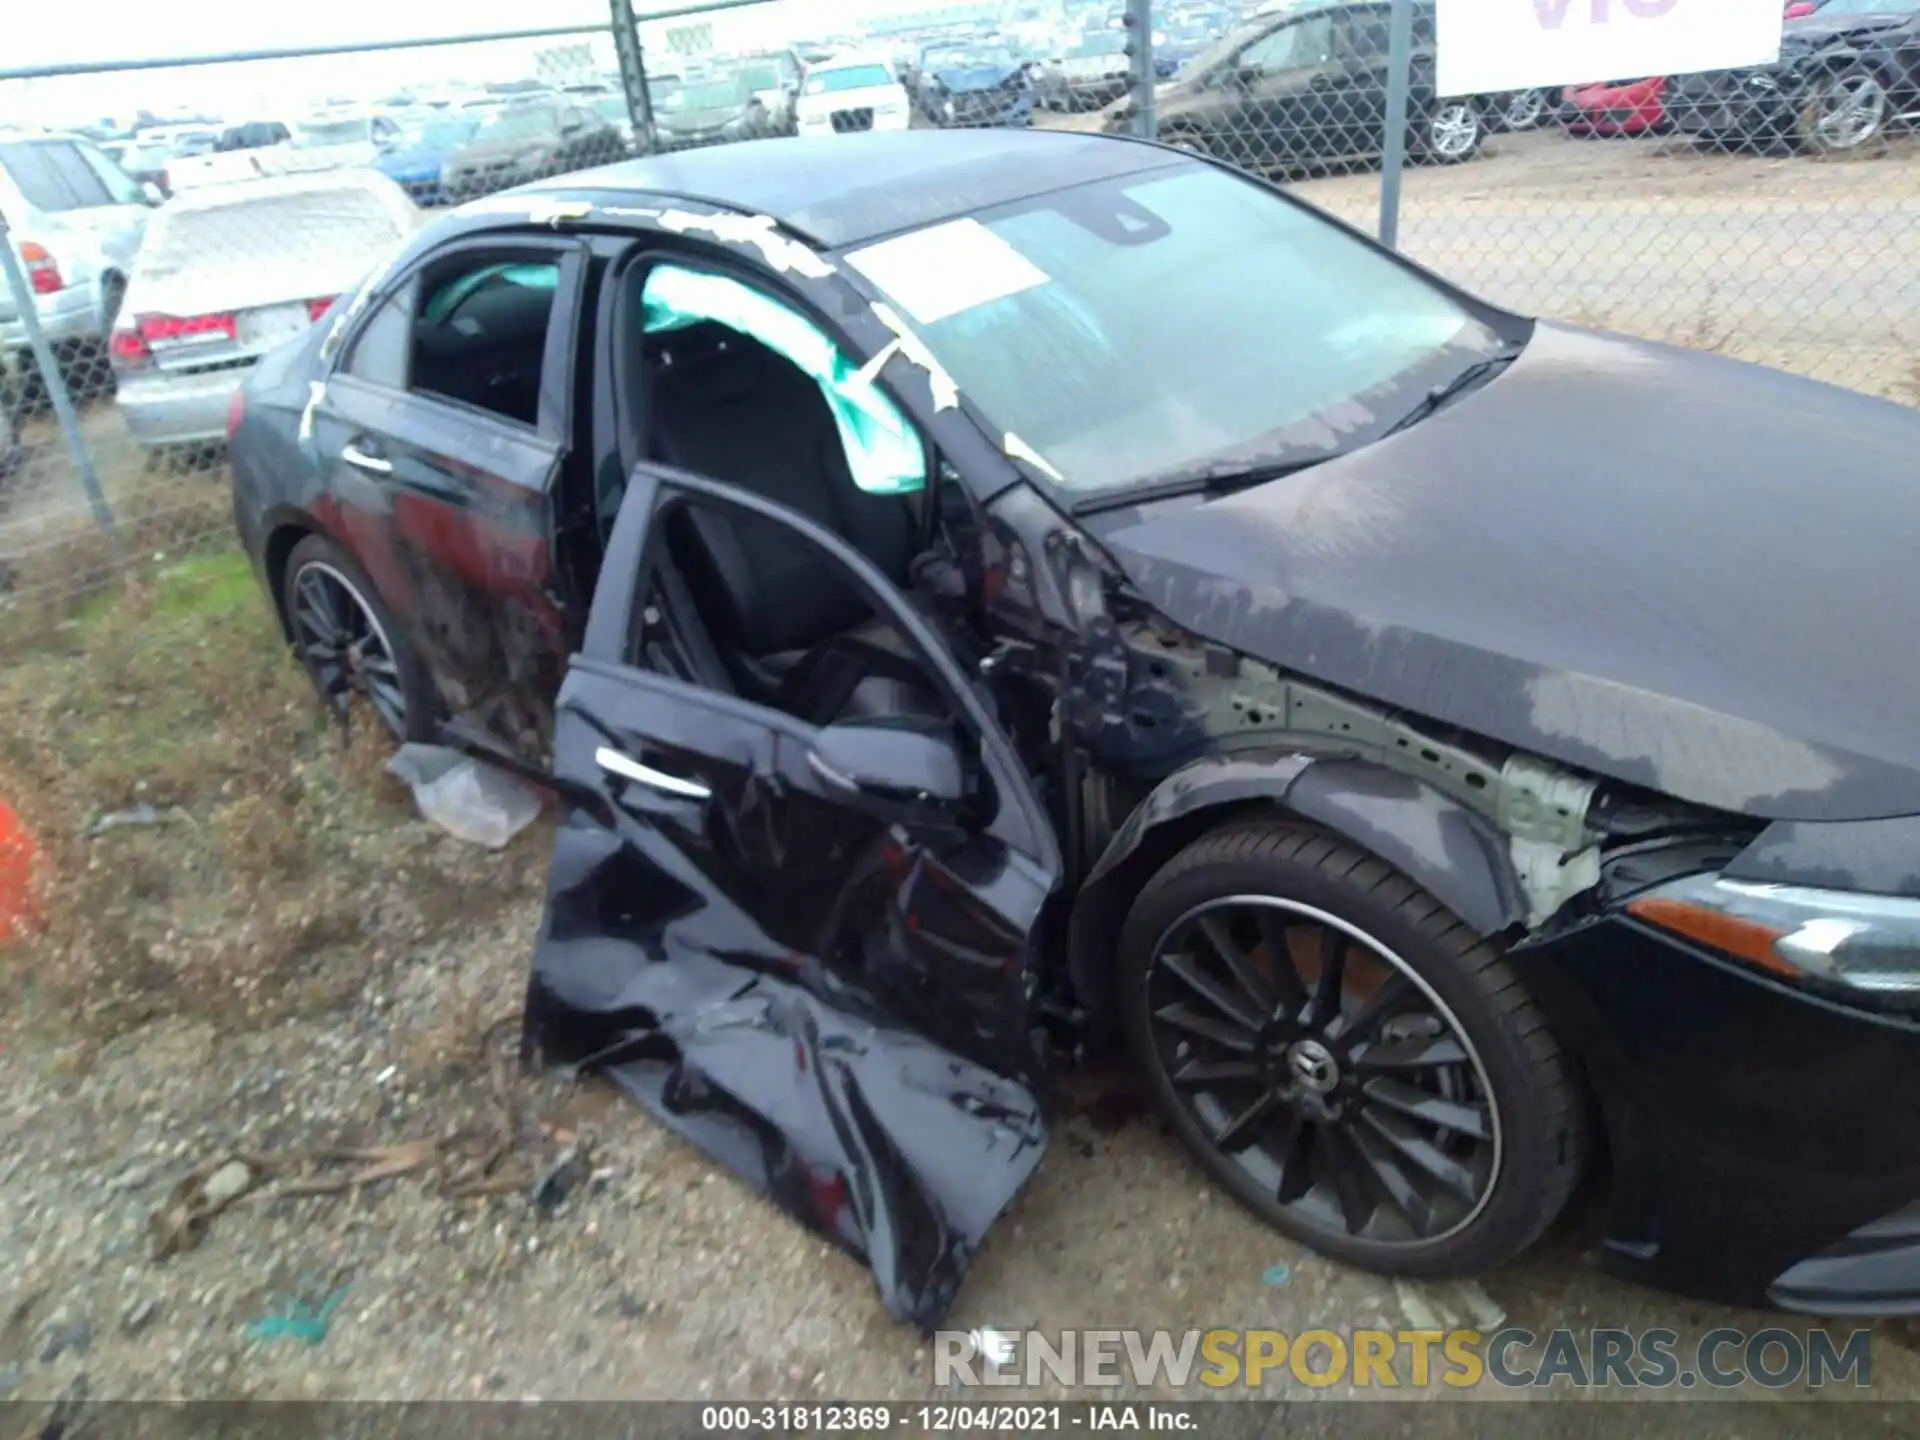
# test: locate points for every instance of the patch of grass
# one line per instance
(277, 863)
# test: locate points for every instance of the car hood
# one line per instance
(531, 146)
(706, 118)
(1093, 67)
(1818, 30)
(830, 100)
(408, 162)
(977, 77)
(1662, 566)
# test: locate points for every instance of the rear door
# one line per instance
(1356, 98)
(1287, 79)
(441, 434)
(822, 983)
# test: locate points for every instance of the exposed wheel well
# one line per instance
(1095, 929)
(279, 546)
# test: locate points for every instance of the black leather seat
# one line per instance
(728, 407)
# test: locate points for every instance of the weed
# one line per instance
(275, 864)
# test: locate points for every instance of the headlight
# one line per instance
(1827, 938)
(948, 107)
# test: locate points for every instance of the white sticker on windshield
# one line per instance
(944, 269)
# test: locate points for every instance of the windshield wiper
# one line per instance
(1452, 389)
(1215, 480)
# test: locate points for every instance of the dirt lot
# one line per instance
(287, 960)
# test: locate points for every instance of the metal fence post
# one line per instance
(633, 73)
(1139, 18)
(1393, 154)
(56, 385)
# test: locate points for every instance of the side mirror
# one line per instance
(887, 762)
(152, 193)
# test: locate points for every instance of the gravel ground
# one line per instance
(656, 1275)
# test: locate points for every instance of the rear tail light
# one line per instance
(127, 351)
(316, 309)
(185, 327)
(43, 272)
(236, 412)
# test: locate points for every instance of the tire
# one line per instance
(1845, 111)
(1451, 133)
(317, 561)
(1505, 1072)
(1520, 110)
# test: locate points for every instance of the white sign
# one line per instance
(944, 269)
(1484, 46)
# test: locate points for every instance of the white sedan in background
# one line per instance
(229, 272)
(850, 93)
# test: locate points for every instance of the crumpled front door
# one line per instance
(824, 990)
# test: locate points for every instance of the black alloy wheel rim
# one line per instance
(1325, 1069)
(343, 646)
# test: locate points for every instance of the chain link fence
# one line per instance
(1773, 214)
(161, 251)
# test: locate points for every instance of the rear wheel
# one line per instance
(349, 643)
(1345, 1057)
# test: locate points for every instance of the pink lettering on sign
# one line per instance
(1553, 13)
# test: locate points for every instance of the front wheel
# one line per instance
(1344, 1056)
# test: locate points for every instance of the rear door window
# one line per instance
(385, 345)
(481, 336)
(39, 177)
(120, 187)
(78, 176)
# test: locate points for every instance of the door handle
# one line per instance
(361, 460)
(614, 763)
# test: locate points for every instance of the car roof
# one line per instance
(852, 188)
(847, 59)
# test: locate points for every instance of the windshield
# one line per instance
(708, 95)
(760, 77)
(517, 124)
(442, 130)
(1171, 325)
(331, 132)
(848, 77)
(1869, 7)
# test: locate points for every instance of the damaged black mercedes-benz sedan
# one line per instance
(1008, 592)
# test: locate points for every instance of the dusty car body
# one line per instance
(524, 140)
(1306, 87)
(229, 272)
(1425, 810)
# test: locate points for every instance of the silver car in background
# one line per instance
(232, 271)
(76, 220)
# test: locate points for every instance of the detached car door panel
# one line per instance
(823, 988)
